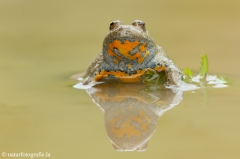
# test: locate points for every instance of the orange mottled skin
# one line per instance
(128, 52)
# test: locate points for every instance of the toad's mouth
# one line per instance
(120, 49)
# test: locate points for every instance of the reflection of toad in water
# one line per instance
(131, 113)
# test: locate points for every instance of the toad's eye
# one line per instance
(115, 24)
(140, 24)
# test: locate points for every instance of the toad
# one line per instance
(128, 52)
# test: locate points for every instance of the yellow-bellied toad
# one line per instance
(128, 52)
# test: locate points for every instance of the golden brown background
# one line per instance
(43, 42)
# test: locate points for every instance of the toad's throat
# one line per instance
(131, 50)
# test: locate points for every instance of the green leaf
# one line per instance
(222, 78)
(154, 79)
(188, 72)
(204, 65)
(189, 75)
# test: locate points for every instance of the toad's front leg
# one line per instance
(174, 74)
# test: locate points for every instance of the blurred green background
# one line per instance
(44, 42)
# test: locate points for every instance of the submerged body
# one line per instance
(128, 52)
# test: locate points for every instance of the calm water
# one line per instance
(43, 43)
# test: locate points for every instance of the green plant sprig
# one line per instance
(154, 79)
(204, 66)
